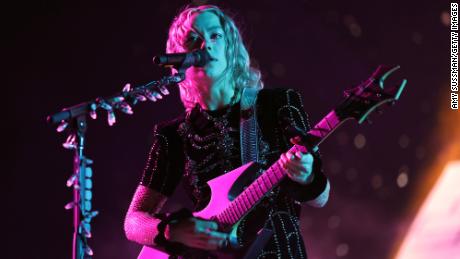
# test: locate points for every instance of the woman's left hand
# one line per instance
(298, 165)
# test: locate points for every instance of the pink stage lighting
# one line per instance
(435, 232)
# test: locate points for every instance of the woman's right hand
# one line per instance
(196, 233)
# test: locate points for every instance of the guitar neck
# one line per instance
(271, 177)
(324, 128)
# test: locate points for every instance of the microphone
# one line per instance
(197, 58)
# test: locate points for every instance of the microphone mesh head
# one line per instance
(201, 58)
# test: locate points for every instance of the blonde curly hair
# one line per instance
(238, 68)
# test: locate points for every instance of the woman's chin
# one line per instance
(208, 72)
(213, 72)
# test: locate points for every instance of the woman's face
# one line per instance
(206, 33)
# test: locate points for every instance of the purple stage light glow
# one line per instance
(435, 231)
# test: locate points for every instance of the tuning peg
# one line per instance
(70, 142)
(151, 96)
(88, 234)
(105, 105)
(88, 161)
(90, 215)
(86, 205)
(88, 195)
(164, 90)
(88, 172)
(92, 112)
(71, 180)
(127, 88)
(62, 126)
(125, 108)
(89, 251)
(84, 224)
(88, 184)
(70, 205)
(111, 117)
(141, 98)
(158, 95)
(118, 99)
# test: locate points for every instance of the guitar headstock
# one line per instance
(371, 95)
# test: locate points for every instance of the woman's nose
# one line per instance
(205, 45)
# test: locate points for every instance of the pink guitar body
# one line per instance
(220, 188)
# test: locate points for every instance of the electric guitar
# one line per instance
(227, 209)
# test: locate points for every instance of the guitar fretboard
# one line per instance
(271, 177)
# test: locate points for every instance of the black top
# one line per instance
(202, 145)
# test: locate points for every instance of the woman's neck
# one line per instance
(215, 95)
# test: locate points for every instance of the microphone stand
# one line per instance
(73, 120)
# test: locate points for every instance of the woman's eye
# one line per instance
(192, 39)
(193, 42)
(216, 36)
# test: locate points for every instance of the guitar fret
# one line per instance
(238, 206)
(264, 179)
(246, 199)
(259, 193)
(254, 194)
(239, 210)
(243, 208)
(222, 218)
(235, 212)
(278, 170)
(267, 176)
(263, 188)
(257, 190)
(232, 213)
(227, 216)
(243, 204)
(251, 194)
(262, 184)
(248, 194)
(272, 173)
(272, 177)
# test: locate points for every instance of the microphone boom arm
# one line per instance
(122, 101)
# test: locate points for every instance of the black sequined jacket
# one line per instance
(202, 145)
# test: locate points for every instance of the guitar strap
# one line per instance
(249, 141)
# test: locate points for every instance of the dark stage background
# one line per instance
(60, 53)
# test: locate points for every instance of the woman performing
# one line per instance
(210, 140)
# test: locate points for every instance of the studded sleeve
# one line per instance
(292, 112)
(164, 166)
(161, 175)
